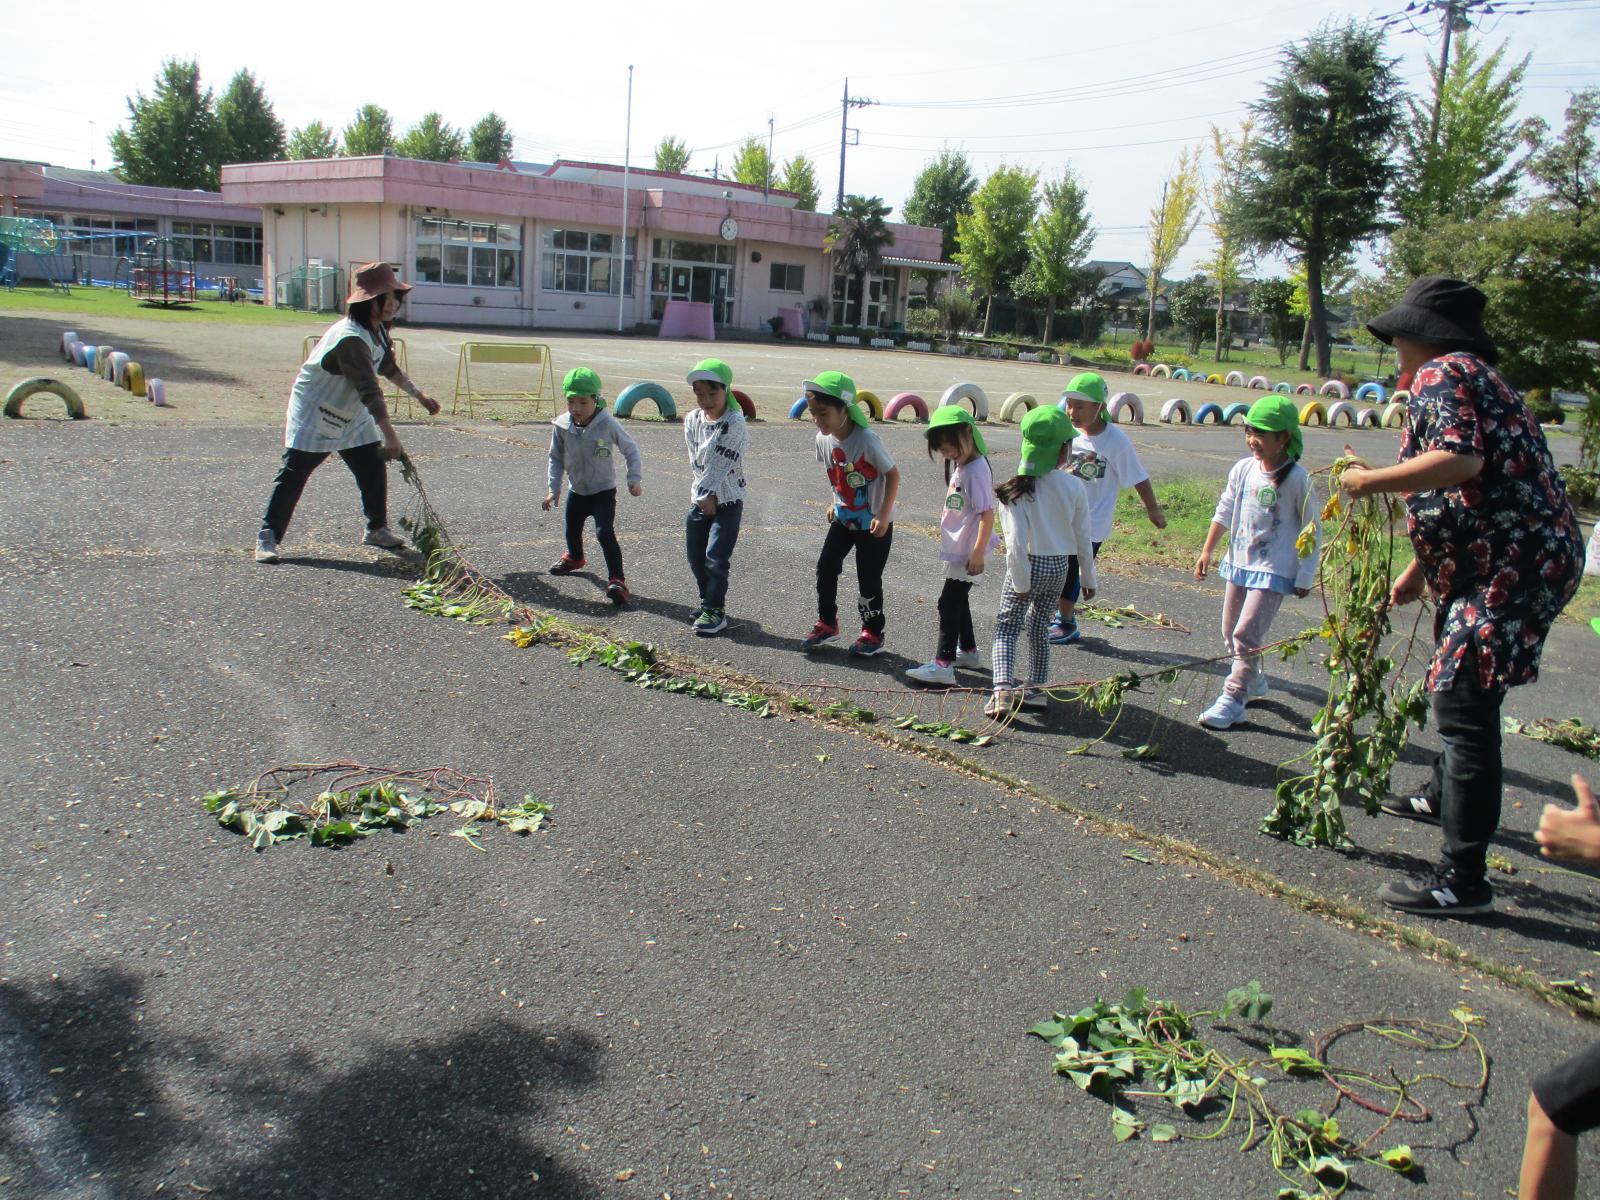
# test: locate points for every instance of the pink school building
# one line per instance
(538, 247)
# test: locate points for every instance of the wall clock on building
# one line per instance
(730, 229)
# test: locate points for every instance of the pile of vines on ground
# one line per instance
(1320, 1121)
(1571, 734)
(337, 803)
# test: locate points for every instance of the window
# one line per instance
(575, 260)
(787, 278)
(476, 254)
(681, 251)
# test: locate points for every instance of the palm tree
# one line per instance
(857, 238)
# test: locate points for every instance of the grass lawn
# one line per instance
(114, 302)
(1189, 502)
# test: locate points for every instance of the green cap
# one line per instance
(713, 370)
(841, 387)
(581, 381)
(1044, 432)
(1276, 413)
(947, 415)
(1089, 386)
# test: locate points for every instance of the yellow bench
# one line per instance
(534, 354)
(390, 392)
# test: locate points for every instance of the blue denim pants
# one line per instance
(709, 542)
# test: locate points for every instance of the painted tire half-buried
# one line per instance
(1313, 408)
(1341, 408)
(1125, 402)
(1181, 374)
(68, 336)
(1141, 368)
(1161, 371)
(1018, 405)
(1283, 387)
(1208, 409)
(905, 400)
(1213, 378)
(1258, 383)
(1234, 379)
(80, 354)
(1395, 415)
(1334, 387)
(102, 361)
(49, 387)
(797, 410)
(1233, 412)
(1369, 418)
(119, 366)
(1176, 410)
(1370, 391)
(746, 405)
(133, 379)
(646, 389)
(870, 402)
(971, 392)
(156, 389)
(1305, 389)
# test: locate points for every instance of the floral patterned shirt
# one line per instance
(1502, 551)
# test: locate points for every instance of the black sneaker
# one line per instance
(1417, 807)
(566, 565)
(617, 591)
(1440, 893)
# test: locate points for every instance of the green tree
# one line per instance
(1468, 171)
(800, 177)
(251, 130)
(1192, 306)
(752, 164)
(1272, 300)
(431, 139)
(943, 190)
(992, 238)
(857, 237)
(1058, 244)
(372, 132)
(173, 138)
(489, 140)
(1172, 224)
(1322, 166)
(1569, 168)
(1230, 253)
(1337, 274)
(315, 140)
(672, 155)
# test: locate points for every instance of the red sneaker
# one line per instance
(867, 645)
(566, 565)
(617, 591)
(820, 632)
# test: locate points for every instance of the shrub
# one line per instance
(1113, 354)
(1581, 485)
(1589, 431)
(1141, 350)
(956, 306)
(922, 323)
(1545, 410)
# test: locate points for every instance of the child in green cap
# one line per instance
(582, 441)
(715, 434)
(1261, 512)
(1104, 458)
(1045, 513)
(966, 535)
(865, 482)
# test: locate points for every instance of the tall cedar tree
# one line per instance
(800, 177)
(489, 140)
(942, 191)
(431, 139)
(672, 154)
(372, 132)
(856, 239)
(251, 130)
(1322, 166)
(173, 138)
(992, 239)
(315, 140)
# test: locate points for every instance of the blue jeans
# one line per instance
(709, 542)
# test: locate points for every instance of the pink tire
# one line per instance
(904, 401)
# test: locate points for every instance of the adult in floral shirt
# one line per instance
(1497, 544)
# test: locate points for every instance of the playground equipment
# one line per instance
(1313, 408)
(68, 336)
(1234, 379)
(1141, 369)
(1181, 374)
(157, 391)
(1335, 387)
(1341, 408)
(161, 275)
(797, 410)
(1370, 391)
(971, 393)
(1284, 387)
(1258, 383)
(49, 387)
(1125, 402)
(904, 401)
(1176, 410)
(133, 379)
(1394, 416)
(1161, 371)
(746, 405)
(119, 366)
(38, 237)
(1369, 418)
(1234, 412)
(1208, 409)
(1213, 378)
(1305, 389)
(870, 402)
(534, 354)
(647, 390)
(1019, 404)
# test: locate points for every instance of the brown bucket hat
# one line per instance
(374, 280)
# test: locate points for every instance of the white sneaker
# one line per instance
(383, 537)
(1224, 713)
(266, 546)
(969, 658)
(936, 673)
(1258, 687)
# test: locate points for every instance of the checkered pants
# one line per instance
(1049, 574)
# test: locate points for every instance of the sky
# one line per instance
(1115, 90)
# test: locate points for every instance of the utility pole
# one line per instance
(844, 134)
(1455, 12)
(766, 189)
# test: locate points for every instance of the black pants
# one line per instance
(602, 506)
(1466, 781)
(872, 554)
(366, 463)
(955, 620)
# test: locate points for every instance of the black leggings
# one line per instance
(955, 620)
(366, 463)
(872, 554)
(602, 506)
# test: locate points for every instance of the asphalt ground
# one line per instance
(772, 956)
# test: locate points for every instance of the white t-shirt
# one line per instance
(1106, 462)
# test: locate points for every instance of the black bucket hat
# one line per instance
(1440, 312)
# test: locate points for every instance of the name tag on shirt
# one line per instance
(955, 500)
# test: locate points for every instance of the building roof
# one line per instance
(72, 189)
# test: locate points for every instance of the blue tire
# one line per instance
(797, 410)
(646, 390)
(1214, 411)
(1371, 391)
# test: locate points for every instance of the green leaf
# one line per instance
(1124, 1124)
(1398, 1158)
(215, 800)
(1049, 1030)
(335, 833)
(1292, 1060)
(1330, 1170)
(1163, 1133)
(1136, 856)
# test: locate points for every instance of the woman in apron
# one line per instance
(337, 405)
